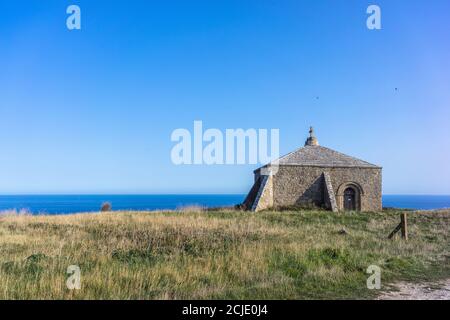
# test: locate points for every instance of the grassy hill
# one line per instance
(216, 254)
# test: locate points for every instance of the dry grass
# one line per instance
(14, 212)
(196, 254)
(191, 208)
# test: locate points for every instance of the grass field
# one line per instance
(217, 254)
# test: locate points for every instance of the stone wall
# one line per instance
(330, 197)
(301, 185)
(252, 195)
(264, 197)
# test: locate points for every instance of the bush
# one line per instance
(106, 206)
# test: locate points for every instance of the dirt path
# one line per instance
(418, 291)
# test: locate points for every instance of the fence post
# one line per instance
(404, 224)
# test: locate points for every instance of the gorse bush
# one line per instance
(106, 206)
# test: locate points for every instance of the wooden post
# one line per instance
(392, 234)
(403, 227)
(404, 224)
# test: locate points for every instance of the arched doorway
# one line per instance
(349, 196)
(350, 199)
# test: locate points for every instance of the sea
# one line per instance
(67, 204)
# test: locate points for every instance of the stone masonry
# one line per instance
(320, 177)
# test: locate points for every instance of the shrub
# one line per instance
(106, 206)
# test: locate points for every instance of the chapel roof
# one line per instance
(312, 154)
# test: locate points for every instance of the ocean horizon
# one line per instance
(68, 204)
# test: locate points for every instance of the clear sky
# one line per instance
(92, 110)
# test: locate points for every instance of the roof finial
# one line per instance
(312, 140)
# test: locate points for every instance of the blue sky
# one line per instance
(92, 111)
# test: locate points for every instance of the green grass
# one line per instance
(217, 254)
